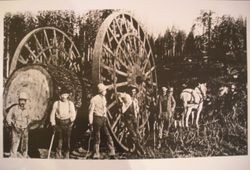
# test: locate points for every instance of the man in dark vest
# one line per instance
(166, 104)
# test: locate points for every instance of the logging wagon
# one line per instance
(47, 59)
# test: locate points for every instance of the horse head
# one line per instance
(203, 89)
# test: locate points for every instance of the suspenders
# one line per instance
(58, 106)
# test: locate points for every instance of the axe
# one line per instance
(51, 143)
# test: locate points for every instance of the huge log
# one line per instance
(42, 84)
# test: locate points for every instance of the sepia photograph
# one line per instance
(124, 83)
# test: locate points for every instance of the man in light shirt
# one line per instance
(18, 119)
(98, 121)
(62, 118)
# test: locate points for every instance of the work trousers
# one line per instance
(164, 121)
(131, 124)
(19, 135)
(100, 123)
(63, 129)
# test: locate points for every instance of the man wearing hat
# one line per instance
(166, 104)
(134, 91)
(98, 121)
(62, 118)
(18, 119)
(130, 121)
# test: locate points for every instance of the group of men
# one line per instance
(63, 115)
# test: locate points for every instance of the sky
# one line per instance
(162, 15)
(155, 15)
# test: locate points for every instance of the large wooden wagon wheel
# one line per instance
(123, 57)
(47, 45)
(44, 59)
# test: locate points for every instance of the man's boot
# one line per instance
(59, 154)
(96, 152)
(159, 144)
(112, 153)
(67, 155)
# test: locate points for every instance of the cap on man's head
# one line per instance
(64, 91)
(164, 89)
(101, 87)
(171, 89)
(23, 95)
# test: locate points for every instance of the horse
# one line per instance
(193, 100)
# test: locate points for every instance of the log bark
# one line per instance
(42, 84)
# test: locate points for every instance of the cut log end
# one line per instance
(40, 83)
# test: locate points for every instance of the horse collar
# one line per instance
(203, 95)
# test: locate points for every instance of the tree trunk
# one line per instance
(42, 84)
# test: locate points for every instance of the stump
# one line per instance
(42, 84)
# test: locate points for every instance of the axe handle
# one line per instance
(51, 143)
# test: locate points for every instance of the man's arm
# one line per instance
(173, 103)
(91, 111)
(72, 112)
(53, 114)
(9, 117)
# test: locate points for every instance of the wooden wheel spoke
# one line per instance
(150, 71)
(123, 40)
(40, 46)
(116, 121)
(109, 114)
(146, 61)
(113, 35)
(47, 40)
(121, 134)
(115, 70)
(112, 104)
(133, 57)
(55, 43)
(117, 85)
(116, 57)
(125, 23)
(33, 56)
(119, 46)
(125, 56)
(22, 60)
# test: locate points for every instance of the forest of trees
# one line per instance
(219, 49)
(216, 45)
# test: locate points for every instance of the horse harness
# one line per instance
(193, 96)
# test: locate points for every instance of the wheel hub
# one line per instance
(135, 75)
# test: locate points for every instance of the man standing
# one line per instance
(134, 91)
(98, 121)
(62, 118)
(166, 103)
(128, 113)
(18, 118)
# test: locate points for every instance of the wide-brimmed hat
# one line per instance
(164, 88)
(101, 87)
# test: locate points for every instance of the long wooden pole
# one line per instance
(51, 143)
